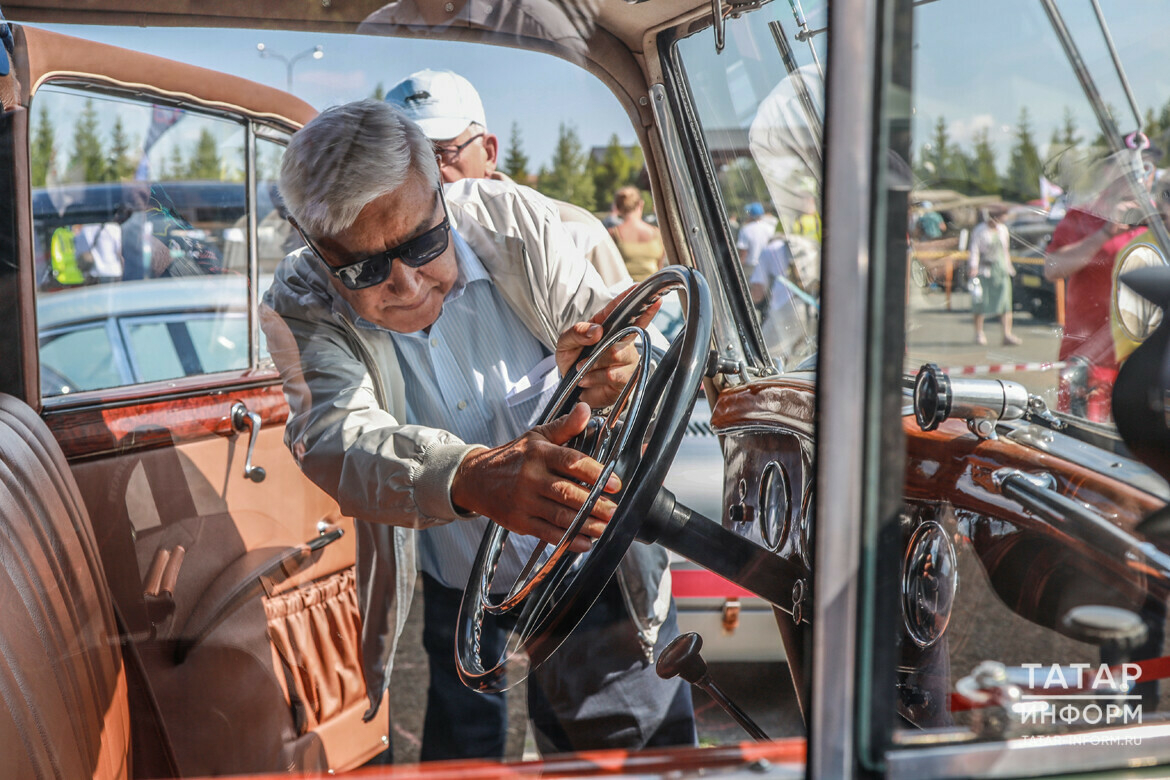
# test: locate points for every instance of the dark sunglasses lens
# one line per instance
(426, 247)
(366, 273)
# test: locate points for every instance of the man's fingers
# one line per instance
(570, 495)
(579, 335)
(564, 428)
(548, 532)
(569, 463)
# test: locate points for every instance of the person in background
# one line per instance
(449, 110)
(1082, 251)
(808, 224)
(931, 224)
(99, 251)
(639, 242)
(784, 317)
(753, 237)
(990, 268)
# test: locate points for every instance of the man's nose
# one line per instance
(403, 279)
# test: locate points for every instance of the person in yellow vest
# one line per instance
(63, 257)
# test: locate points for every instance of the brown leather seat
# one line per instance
(62, 679)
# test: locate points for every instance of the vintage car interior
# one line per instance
(957, 516)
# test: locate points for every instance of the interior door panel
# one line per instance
(220, 589)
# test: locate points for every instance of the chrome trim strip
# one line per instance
(250, 202)
(840, 473)
(726, 334)
(1133, 746)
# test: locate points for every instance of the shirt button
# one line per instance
(462, 405)
(434, 342)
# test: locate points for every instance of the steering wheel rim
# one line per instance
(552, 600)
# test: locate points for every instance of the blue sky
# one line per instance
(537, 90)
(977, 63)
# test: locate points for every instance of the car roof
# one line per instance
(144, 297)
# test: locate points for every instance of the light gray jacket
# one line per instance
(346, 397)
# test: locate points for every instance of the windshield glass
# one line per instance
(1035, 189)
(760, 104)
(1038, 140)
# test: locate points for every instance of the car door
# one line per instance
(148, 229)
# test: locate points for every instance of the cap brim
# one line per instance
(442, 128)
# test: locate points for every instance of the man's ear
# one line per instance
(492, 145)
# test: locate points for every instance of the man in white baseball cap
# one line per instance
(449, 110)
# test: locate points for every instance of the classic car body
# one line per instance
(942, 554)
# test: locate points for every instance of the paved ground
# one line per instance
(947, 337)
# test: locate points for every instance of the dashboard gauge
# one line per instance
(775, 497)
(930, 577)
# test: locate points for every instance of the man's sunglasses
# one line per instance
(449, 155)
(375, 269)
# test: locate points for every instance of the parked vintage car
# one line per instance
(964, 582)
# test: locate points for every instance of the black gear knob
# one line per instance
(681, 659)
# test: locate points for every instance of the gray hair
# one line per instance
(346, 157)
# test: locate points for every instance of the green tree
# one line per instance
(616, 168)
(515, 160)
(984, 176)
(379, 92)
(205, 162)
(121, 160)
(175, 167)
(43, 149)
(1068, 129)
(1022, 180)
(937, 154)
(88, 161)
(567, 178)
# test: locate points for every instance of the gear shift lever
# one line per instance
(681, 658)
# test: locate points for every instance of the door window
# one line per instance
(137, 209)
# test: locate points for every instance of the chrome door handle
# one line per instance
(242, 420)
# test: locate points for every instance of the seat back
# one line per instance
(62, 680)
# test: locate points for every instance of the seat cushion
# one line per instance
(65, 710)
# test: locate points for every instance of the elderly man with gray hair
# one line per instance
(403, 332)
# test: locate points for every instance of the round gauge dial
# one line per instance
(775, 497)
(930, 577)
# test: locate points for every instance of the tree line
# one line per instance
(973, 171)
(91, 158)
(573, 174)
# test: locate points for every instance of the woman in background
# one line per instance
(639, 242)
(991, 271)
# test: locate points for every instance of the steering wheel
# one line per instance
(636, 439)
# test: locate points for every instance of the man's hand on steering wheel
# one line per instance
(532, 485)
(605, 380)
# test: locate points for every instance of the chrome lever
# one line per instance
(243, 420)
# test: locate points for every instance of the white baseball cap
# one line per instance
(441, 102)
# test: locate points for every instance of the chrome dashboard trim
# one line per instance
(1121, 468)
